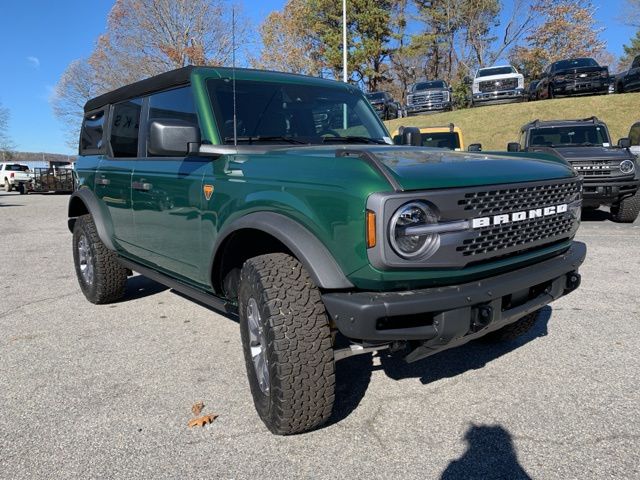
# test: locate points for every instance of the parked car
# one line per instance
(501, 84)
(429, 96)
(15, 176)
(384, 105)
(277, 200)
(532, 92)
(448, 136)
(611, 173)
(634, 139)
(577, 76)
(629, 80)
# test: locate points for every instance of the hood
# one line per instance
(497, 77)
(579, 70)
(593, 153)
(429, 90)
(419, 168)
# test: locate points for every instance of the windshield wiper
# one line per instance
(268, 138)
(354, 139)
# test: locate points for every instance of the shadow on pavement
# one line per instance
(353, 374)
(490, 454)
(456, 361)
(141, 287)
(595, 215)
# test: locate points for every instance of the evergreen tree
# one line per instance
(630, 51)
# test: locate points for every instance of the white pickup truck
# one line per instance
(15, 176)
(501, 84)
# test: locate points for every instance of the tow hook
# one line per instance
(482, 319)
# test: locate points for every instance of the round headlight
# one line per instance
(627, 166)
(414, 214)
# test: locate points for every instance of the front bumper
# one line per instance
(580, 87)
(428, 107)
(449, 316)
(502, 96)
(608, 191)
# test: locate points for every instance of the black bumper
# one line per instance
(608, 191)
(450, 316)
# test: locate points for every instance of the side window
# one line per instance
(636, 62)
(634, 135)
(91, 135)
(176, 104)
(125, 124)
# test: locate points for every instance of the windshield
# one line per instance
(568, 136)
(576, 63)
(429, 85)
(375, 96)
(270, 112)
(17, 168)
(449, 140)
(488, 72)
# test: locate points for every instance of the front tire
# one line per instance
(101, 277)
(627, 210)
(286, 340)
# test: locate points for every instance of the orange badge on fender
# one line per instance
(208, 191)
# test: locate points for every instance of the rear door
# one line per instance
(113, 177)
(168, 195)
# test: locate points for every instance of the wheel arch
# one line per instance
(266, 232)
(83, 202)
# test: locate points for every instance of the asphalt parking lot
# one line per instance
(106, 391)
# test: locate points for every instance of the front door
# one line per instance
(168, 196)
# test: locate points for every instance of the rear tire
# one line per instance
(101, 277)
(513, 330)
(627, 210)
(286, 340)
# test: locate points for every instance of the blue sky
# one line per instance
(41, 37)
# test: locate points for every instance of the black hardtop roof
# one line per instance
(164, 81)
(561, 123)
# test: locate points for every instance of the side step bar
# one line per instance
(205, 298)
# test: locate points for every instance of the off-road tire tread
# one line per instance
(299, 348)
(513, 330)
(110, 277)
(627, 210)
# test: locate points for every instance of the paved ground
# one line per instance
(106, 391)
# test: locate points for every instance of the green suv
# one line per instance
(279, 200)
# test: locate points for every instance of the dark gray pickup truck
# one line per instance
(611, 174)
(629, 80)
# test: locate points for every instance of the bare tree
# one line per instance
(145, 38)
(6, 143)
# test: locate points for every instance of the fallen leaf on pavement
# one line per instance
(197, 408)
(202, 421)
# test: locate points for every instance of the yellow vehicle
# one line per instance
(448, 136)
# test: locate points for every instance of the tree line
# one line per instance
(391, 43)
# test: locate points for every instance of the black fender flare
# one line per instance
(314, 256)
(84, 201)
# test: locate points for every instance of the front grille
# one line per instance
(578, 76)
(498, 85)
(519, 198)
(435, 97)
(521, 234)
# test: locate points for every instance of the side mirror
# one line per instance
(513, 147)
(624, 143)
(475, 147)
(411, 136)
(467, 80)
(172, 137)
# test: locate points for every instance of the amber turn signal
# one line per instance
(371, 229)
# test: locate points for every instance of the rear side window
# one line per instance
(92, 133)
(125, 125)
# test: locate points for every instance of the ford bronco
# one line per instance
(611, 174)
(279, 199)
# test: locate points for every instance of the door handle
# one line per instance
(144, 186)
(102, 181)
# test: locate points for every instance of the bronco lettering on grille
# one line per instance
(506, 218)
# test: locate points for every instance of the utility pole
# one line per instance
(345, 75)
